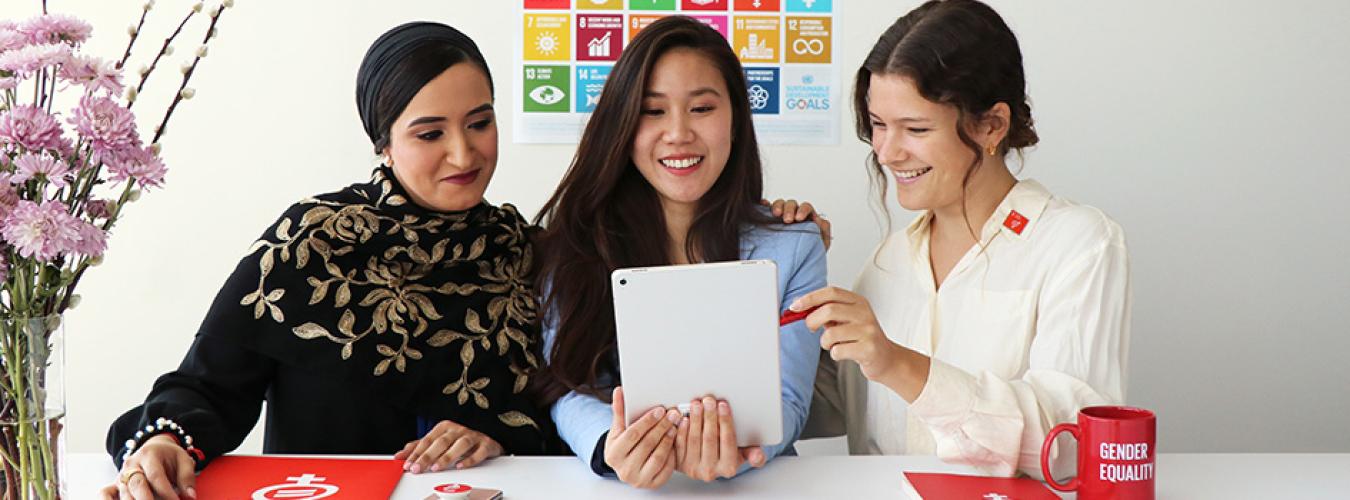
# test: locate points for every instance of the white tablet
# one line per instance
(704, 329)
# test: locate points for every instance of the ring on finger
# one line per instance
(126, 475)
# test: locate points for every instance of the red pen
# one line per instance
(792, 316)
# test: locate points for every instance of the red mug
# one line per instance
(1116, 453)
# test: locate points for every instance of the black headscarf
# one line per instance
(399, 64)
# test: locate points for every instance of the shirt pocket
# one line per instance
(991, 331)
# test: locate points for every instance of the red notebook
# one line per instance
(959, 487)
(282, 478)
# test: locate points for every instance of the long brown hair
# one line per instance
(959, 53)
(605, 215)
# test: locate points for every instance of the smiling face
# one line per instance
(684, 135)
(444, 145)
(917, 141)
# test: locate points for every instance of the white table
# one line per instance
(1180, 476)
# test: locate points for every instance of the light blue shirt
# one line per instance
(800, 255)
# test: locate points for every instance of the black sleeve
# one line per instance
(216, 395)
(598, 465)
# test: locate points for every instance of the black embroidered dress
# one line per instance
(363, 319)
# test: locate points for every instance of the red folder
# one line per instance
(959, 487)
(283, 478)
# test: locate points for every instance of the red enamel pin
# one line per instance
(1015, 221)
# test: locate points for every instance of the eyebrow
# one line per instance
(901, 120)
(697, 92)
(434, 119)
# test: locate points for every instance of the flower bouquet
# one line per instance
(71, 159)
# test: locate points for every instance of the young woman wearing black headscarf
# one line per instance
(395, 314)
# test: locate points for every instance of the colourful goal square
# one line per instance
(599, 37)
(546, 89)
(755, 38)
(808, 40)
(548, 37)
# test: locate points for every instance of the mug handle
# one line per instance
(1045, 457)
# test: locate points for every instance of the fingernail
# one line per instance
(696, 408)
(459, 465)
(655, 413)
(796, 305)
(434, 467)
(417, 468)
(407, 466)
(723, 408)
(709, 404)
(673, 416)
(684, 421)
(670, 432)
(191, 492)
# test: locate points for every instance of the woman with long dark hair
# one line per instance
(668, 172)
(394, 315)
(1003, 309)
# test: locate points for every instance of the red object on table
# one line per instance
(280, 478)
(962, 487)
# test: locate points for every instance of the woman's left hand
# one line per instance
(853, 333)
(447, 445)
(705, 444)
(793, 212)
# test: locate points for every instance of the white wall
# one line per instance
(1212, 130)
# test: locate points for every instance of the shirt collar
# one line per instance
(1027, 198)
(1020, 210)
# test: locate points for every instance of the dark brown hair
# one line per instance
(605, 215)
(959, 53)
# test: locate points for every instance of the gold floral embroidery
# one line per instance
(398, 302)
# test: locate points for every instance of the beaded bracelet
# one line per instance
(164, 426)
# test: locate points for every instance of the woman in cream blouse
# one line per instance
(1002, 309)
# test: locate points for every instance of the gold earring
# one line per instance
(389, 161)
(993, 150)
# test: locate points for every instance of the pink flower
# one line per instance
(43, 167)
(94, 73)
(142, 165)
(28, 60)
(4, 265)
(32, 128)
(107, 127)
(8, 83)
(11, 39)
(56, 28)
(41, 232)
(93, 241)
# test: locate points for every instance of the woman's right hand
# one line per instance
(641, 453)
(166, 472)
(793, 212)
